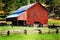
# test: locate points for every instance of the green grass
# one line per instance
(31, 37)
(28, 36)
(57, 22)
(4, 28)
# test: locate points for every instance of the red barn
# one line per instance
(29, 14)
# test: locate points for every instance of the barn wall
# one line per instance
(22, 16)
(37, 14)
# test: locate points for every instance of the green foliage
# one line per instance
(11, 5)
(56, 22)
(1, 5)
(28, 1)
(54, 6)
(48, 2)
(56, 2)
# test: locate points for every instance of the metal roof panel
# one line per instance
(20, 10)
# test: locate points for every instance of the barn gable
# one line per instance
(37, 13)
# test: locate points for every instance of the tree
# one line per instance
(1, 5)
(53, 6)
(28, 1)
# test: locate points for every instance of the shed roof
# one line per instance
(20, 11)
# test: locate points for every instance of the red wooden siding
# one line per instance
(37, 14)
(22, 16)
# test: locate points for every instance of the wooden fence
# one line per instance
(39, 31)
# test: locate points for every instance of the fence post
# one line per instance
(8, 32)
(11, 25)
(49, 31)
(57, 31)
(39, 31)
(25, 31)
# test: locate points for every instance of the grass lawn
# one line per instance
(31, 37)
(56, 22)
(4, 28)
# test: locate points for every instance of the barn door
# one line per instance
(37, 24)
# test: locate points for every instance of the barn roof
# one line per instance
(20, 11)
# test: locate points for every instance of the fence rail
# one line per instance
(38, 31)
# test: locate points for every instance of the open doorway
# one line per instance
(14, 23)
(21, 23)
(37, 24)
